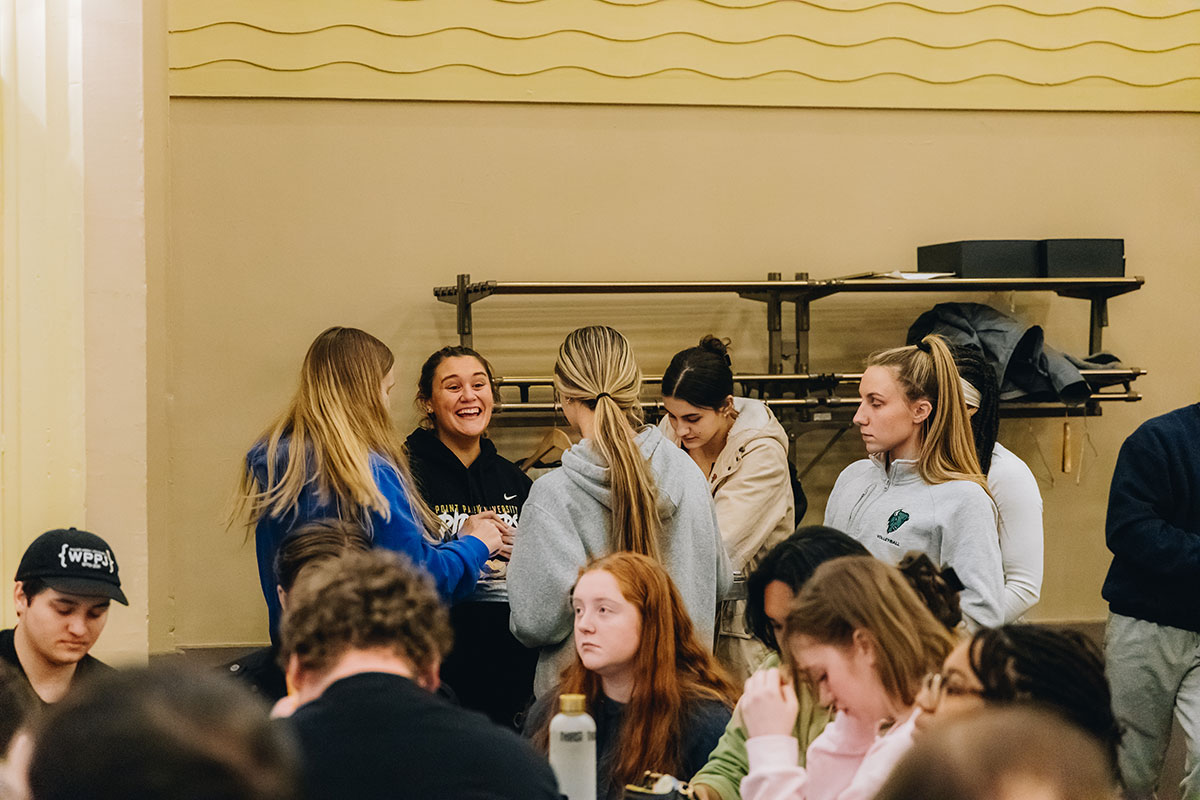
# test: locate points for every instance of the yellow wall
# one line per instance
(1119, 55)
(289, 216)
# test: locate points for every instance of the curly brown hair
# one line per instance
(364, 601)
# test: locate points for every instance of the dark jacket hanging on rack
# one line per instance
(1025, 365)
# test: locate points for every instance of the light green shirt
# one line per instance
(728, 763)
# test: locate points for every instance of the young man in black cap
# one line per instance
(65, 583)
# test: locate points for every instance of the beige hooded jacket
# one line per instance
(752, 490)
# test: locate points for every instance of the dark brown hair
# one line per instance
(702, 375)
(1060, 669)
(313, 541)
(938, 588)
(792, 562)
(985, 422)
(429, 369)
(364, 601)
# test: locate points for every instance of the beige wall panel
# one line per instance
(43, 444)
(291, 216)
(157, 169)
(73, 338)
(774, 53)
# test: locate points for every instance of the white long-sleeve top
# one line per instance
(1019, 503)
(848, 761)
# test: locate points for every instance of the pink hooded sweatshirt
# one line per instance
(848, 761)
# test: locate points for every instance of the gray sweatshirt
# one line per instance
(565, 524)
(892, 511)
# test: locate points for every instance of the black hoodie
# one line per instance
(455, 492)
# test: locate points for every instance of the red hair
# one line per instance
(672, 669)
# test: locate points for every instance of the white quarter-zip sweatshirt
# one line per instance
(892, 510)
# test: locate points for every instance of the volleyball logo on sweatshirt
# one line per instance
(898, 518)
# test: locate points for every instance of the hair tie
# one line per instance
(924, 347)
(603, 394)
(970, 394)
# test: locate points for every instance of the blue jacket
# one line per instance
(454, 565)
(1153, 525)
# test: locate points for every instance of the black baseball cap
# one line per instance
(75, 562)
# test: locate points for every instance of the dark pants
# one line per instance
(488, 668)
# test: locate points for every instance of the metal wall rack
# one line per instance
(799, 392)
(801, 292)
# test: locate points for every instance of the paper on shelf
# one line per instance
(916, 276)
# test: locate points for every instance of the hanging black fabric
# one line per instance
(1026, 367)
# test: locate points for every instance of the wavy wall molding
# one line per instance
(1031, 54)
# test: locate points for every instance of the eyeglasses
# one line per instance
(937, 685)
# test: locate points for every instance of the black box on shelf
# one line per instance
(982, 258)
(1082, 258)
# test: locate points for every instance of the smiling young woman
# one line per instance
(861, 637)
(920, 487)
(458, 473)
(659, 699)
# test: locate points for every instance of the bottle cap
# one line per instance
(572, 703)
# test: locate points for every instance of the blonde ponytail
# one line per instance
(596, 367)
(927, 371)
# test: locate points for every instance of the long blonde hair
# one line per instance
(926, 371)
(861, 593)
(335, 421)
(596, 367)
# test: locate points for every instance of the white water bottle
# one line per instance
(573, 749)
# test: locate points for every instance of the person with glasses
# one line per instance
(1056, 669)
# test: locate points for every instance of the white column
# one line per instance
(114, 304)
(77, 263)
(43, 459)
